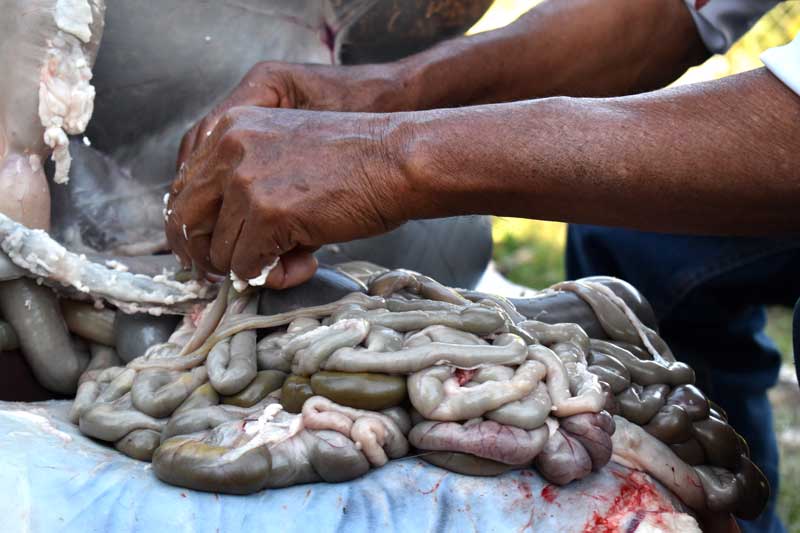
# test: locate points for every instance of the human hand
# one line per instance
(368, 88)
(277, 183)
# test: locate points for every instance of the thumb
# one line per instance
(292, 269)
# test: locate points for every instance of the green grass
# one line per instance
(779, 328)
(531, 253)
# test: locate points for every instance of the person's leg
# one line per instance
(708, 294)
(736, 364)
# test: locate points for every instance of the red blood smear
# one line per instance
(434, 488)
(698, 4)
(635, 495)
(525, 489)
(463, 376)
(549, 493)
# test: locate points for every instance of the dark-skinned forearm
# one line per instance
(716, 158)
(561, 47)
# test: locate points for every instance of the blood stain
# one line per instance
(635, 496)
(525, 489)
(464, 376)
(435, 487)
(549, 493)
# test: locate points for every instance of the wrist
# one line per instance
(415, 150)
(381, 88)
(388, 165)
(387, 88)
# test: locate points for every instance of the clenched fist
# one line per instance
(278, 183)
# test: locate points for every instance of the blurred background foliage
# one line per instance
(531, 252)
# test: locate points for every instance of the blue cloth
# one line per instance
(55, 479)
(709, 294)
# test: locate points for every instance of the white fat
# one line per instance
(266, 432)
(75, 17)
(86, 141)
(56, 139)
(267, 416)
(35, 162)
(66, 96)
(668, 523)
(262, 278)
(35, 251)
(166, 212)
(239, 284)
(116, 265)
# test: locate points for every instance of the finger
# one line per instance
(196, 194)
(177, 230)
(176, 242)
(294, 268)
(226, 232)
(256, 247)
(192, 215)
(204, 130)
(197, 134)
(199, 248)
(173, 226)
(185, 149)
(241, 96)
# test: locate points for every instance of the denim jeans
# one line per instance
(709, 294)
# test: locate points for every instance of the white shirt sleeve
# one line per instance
(722, 22)
(784, 62)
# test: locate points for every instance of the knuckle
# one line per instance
(240, 183)
(234, 115)
(231, 142)
(225, 119)
(270, 209)
(203, 129)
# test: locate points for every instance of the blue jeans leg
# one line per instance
(709, 295)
